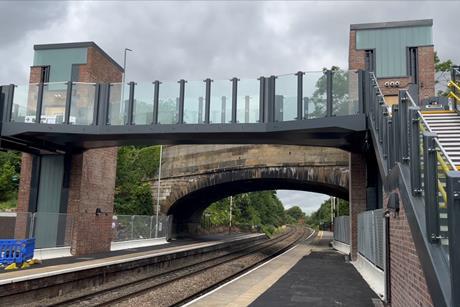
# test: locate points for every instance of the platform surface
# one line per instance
(311, 274)
(71, 264)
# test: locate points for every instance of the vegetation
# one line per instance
(256, 210)
(323, 214)
(10, 166)
(442, 69)
(135, 166)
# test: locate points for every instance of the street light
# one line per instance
(122, 102)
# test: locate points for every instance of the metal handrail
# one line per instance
(427, 127)
(452, 83)
(380, 93)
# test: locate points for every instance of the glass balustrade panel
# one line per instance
(168, 103)
(314, 94)
(221, 102)
(82, 103)
(194, 102)
(143, 104)
(53, 103)
(25, 100)
(344, 92)
(247, 110)
(118, 104)
(286, 97)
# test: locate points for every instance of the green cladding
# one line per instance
(391, 47)
(60, 61)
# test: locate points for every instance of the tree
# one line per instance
(10, 166)
(135, 166)
(295, 214)
(323, 214)
(442, 69)
(340, 93)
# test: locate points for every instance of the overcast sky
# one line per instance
(196, 40)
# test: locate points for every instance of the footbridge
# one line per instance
(306, 108)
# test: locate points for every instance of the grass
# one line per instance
(8, 205)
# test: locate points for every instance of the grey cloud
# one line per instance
(195, 40)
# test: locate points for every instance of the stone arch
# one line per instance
(189, 199)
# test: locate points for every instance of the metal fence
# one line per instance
(55, 229)
(371, 236)
(138, 227)
(342, 229)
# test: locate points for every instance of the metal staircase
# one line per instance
(446, 124)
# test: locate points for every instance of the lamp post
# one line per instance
(122, 101)
(230, 215)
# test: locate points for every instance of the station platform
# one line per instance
(310, 274)
(73, 264)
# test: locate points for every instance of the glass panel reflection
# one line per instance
(82, 103)
(25, 103)
(221, 101)
(194, 102)
(344, 92)
(143, 104)
(286, 98)
(168, 103)
(118, 104)
(247, 110)
(53, 104)
(314, 94)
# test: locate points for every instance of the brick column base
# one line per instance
(92, 186)
(357, 198)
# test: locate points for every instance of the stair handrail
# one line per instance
(427, 126)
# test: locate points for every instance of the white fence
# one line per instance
(342, 229)
(371, 236)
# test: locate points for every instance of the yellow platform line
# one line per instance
(438, 112)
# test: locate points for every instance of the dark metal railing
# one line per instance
(298, 96)
(404, 137)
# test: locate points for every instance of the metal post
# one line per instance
(39, 103)
(329, 93)
(150, 227)
(299, 75)
(156, 98)
(385, 134)
(403, 123)
(382, 113)
(181, 101)
(453, 214)
(414, 151)
(390, 148)
(158, 192)
(97, 92)
(396, 134)
(305, 107)
(130, 103)
(430, 177)
(270, 100)
(104, 93)
(261, 99)
(361, 91)
(207, 104)
(454, 89)
(8, 100)
(132, 227)
(234, 98)
(68, 99)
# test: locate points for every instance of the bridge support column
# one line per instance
(91, 194)
(357, 198)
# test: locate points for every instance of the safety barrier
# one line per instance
(342, 229)
(16, 251)
(371, 242)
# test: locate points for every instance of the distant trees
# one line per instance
(295, 215)
(323, 214)
(10, 166)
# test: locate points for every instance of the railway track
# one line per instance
(181, 285)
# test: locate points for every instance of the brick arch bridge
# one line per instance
(195, 176)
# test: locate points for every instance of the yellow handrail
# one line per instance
(443, 192)
(452, 95)
(453, 84)
(443, 163)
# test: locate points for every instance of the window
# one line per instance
(45, 74)
(370, 60)
(412, 64)
(75, 73)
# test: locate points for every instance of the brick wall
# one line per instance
(426, 71)
(408, 283)
(92, 186)
(357, 198)
(99, 69)
(356, 58)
